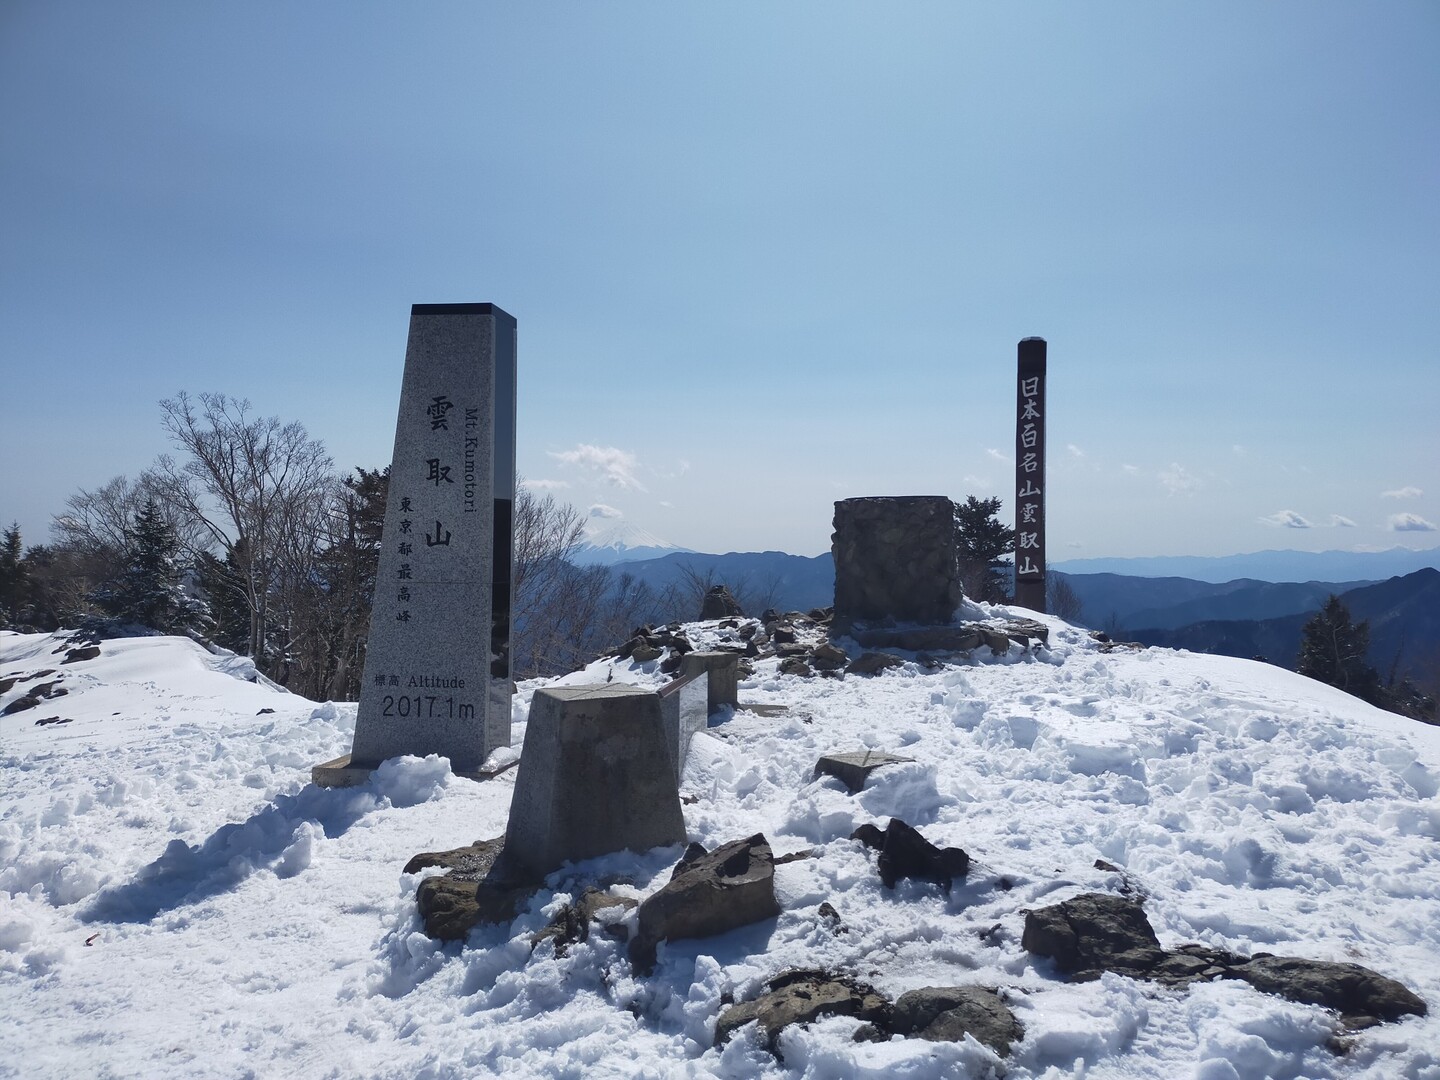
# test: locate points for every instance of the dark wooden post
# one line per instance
(1030, 475)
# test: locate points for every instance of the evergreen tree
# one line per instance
(222, 581)
(148, 591)
(13, 576)
(982, 541)
(1333, 648)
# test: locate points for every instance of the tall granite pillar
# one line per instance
(895, 561)
(437, 662)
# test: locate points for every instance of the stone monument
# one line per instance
(895, 561)
(597, 776)
(437, 662)
(1030, 474)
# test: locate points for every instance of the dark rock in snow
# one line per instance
(478, 889)
(799, 997)
(719, 603)
(904, 853)
(828, 657)
(708, 894)
(1093, 933)
(572, 925)
(872, 663)
(948, 1014)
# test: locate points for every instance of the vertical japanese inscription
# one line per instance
(430, 665)
(1030, 475)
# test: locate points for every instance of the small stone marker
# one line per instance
(437, 662)
(724, 676)
(895, 559)
(853, 769)
(684, 710)
(595, 777)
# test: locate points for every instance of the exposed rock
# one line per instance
(53, 720)
(800, 997)
(782, 633)
(872, 663)
(1356, 992)
(645, 652)
(479, 889)
(794, 665)
(828, 657)
(719, 603)
(572, 925)
(854, 768)
(708, 894)
(1094, 932)
(948, 1014)
(904, 853)
(791, 648)
(671, 664)
(88, 652)
(999, 642)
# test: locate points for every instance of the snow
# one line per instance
(176, 899)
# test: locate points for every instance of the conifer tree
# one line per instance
(12, 575)
(148, 591)
(982, 540)
(1333, 648)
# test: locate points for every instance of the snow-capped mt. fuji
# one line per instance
(611, 540)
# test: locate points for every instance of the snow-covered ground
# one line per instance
(177, 900)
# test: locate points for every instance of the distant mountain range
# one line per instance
(620, 542)
(1244, 616)
(1266, 565)
(1403, 612)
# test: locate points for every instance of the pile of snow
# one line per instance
(180, 901)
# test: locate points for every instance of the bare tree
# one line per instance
(260, 488)
(1061, 598)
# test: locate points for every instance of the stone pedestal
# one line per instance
(684, 710)
(595, 777)
(437, 661)
(895, 561)
(722, 678)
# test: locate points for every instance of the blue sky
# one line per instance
(762, 256)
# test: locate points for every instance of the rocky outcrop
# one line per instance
(948, 1014)
(1093, 933)
(720, 603)
(904, 853)
(572, 925)
(872, 663)
(800, 997)
(708, 893)
(478, 889)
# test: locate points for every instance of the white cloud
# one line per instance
(1402, 493)
(1287, 519)
(1238, 450)
(545, 485)
(616, 466)
(1075, 451)
(1178, 480)
(600, 510)
(1409, 523)
(1341, 522)
(1131, 470)
(996, 454)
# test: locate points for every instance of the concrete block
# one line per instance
(595, 776)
